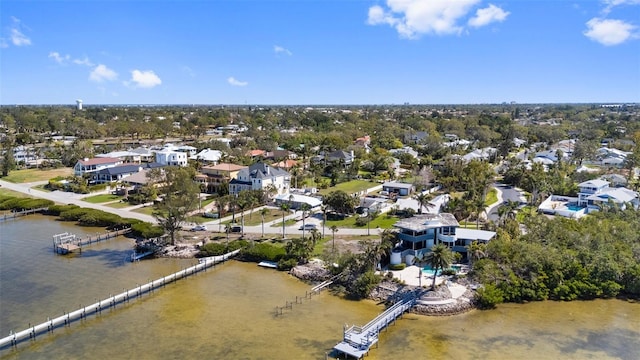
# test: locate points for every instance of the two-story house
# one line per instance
(594, 194)
(420, 233)
(171, 157)
(261, 176)
(87, 166)
(215, 176)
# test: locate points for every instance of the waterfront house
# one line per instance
(87, 166)
(169, 155)
(418, 234)
(208, 156)
(261, 176)
(214, 176)
(119, 172)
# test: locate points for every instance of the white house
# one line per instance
(87, 165)
(208, 156)
(260, 176)
(171, 157)
(420, 233)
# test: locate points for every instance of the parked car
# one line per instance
(199, 228)
(210, 215)
(308, 227)
(236, 229)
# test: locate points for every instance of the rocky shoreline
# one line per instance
(438, 302)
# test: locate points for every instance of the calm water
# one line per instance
(227, 313)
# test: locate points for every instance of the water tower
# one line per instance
(79, 104)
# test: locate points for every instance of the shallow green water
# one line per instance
(228, 313)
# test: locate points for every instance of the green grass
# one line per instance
(350, 187)
(492, 197)
(41, 188)
(8, 192)
(279, 224)
(382, 221)
(148, 210)
(32, 175)
(119, 205)
(102, 198)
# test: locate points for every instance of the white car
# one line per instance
(308, 227)
(199, 228)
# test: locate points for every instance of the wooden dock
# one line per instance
(66, 243)
(356, 340)
(13, 215)
(94, 309)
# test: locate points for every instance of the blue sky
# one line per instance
(319, 51)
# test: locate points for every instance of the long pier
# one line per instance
(13, 215)
(307, 295)
(356, 340)
(65, 320)
(65, 243)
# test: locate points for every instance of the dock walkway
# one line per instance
(65, 320)
(65, 243)
(356, 341)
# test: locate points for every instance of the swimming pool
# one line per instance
(429, 271)
(574, 207)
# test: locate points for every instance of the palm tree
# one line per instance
(334, 230)
(227, 229)
(315, 236)
(284, 207)
(324, 209)
(475, 251)
(305, 207)
(263, 212)
(439, 258)
(423, 199)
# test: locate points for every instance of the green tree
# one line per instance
(475, 251)
(334, 230)
(264, 211)
(8, 161)
(340, 202)
(179, 197)
(284, 207)
(439, 258)
(423, 199)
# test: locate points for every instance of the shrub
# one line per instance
(448, 272)
(212, 249)
(400, 266)
(287, 264)
(56, 210)
(146, 230)
(263, 251)
(363, 285)
(488, 297)
(361, 221)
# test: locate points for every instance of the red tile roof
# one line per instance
(99, 161)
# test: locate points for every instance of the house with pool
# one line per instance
(420, 233)
(593, 195)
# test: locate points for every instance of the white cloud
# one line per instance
(18, 38)
(231, 80)
(144, 79)
(488, 15)
(610, 4)
(84, 61)
(609, 32)
(280, 50)
(58, 58)
(412, 18)
(102, 73)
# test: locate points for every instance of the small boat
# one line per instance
(268, 264)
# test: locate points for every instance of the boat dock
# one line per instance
(65, 320)
(66, 243)
(13, 215)
(356, 340)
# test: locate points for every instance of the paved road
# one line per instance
(509, 193)
(63, 197)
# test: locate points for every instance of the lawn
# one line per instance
(7, 192)
(279, 224)
(145, 210)
(382, 221)
(118, 205)
(102, 198)
(350, 187)
(32, 175)
(492, 197)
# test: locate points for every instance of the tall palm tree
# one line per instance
(263, 212)
(284, 207)
(439, 258)
(423, 199)
(324, 209)
(304, 207)
(334, 230)
(227, 229)
(315, 236)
